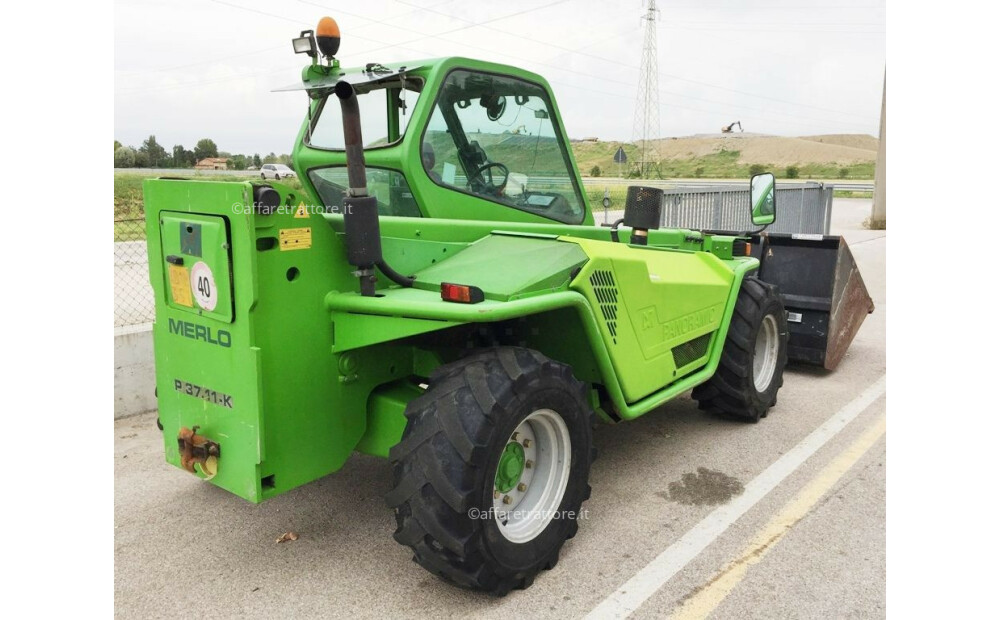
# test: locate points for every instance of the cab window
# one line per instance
(495, 137)
(385, 113)
(389, 187)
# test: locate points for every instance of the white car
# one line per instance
(276, 171)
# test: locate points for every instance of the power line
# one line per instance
(523, 59)
(605, 79)
(527, 38)
(300, 23)
(692, 109)
(632, 67)
(385, 46)
(755, 24)
(756, 31)
(471, 24)
(258, 11)
(630, 84)
(792, 7)
(371, 23)
(203, 62)
(468, 25)
(206, 82)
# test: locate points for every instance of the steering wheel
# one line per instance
(485, 172)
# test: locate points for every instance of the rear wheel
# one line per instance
(751, 369)
(492, 469)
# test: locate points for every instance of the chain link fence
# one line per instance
(133, 294)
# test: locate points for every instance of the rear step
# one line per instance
(822, 290)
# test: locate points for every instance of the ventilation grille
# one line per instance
(607, 297)
(691, 350)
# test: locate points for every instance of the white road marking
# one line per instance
(634, 592)
(719, 586)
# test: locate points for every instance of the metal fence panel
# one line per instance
(801, 208)
(133, 294)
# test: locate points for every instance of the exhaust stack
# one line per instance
(643, 212)
(361, 226)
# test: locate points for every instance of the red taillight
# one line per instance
(460, 293)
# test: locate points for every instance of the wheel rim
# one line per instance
(765, 354)
(532, 476)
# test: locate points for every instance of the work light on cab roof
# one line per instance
(325, 39)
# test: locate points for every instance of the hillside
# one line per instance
(855, 140)
(720, 155)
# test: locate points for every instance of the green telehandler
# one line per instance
(437, 294)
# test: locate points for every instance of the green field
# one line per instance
(733, 158)
(720, 165)
(845, 193)
(129, 214)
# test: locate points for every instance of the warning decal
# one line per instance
(180, 288)
(295, 239)
(301, 212)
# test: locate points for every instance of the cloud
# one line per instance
(190, 69)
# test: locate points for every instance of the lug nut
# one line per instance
(522, 487)
(507, 499)
(527, 443)
(496, 494)
(515, 436)
(529, 464)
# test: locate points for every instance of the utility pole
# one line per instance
(878, 201)
(646, 125)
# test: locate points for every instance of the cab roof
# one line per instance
(321, 78)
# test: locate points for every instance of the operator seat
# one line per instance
(427, 155)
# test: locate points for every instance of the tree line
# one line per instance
(153, 155)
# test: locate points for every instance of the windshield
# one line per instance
(385, 113)
(495, 137)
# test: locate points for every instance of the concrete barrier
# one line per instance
(135, 379)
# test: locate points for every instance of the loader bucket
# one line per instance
(822, 290)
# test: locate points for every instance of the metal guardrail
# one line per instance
(801, 208)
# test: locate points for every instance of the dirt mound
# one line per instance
(760, 149)
(853, 140)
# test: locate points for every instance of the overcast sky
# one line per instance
(191, 69)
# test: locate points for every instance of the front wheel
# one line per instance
(750, 372)
(492, 469)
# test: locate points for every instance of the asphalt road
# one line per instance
(814, 546)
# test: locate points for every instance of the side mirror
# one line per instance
(762, 206)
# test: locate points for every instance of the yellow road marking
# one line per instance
(708, 598)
